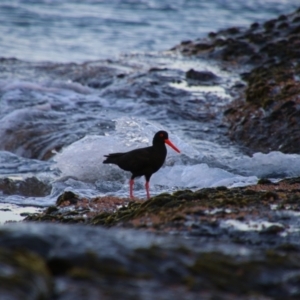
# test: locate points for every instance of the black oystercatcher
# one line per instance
(143, 161)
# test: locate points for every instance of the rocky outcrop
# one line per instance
(214, 242)
(266, 115)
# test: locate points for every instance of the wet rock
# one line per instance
(38, 132)
(70, 208)
(264, 181)
(121, 263)
(273, 229)
(30, 187)
(68, 197)
(96, 75)
(24, 275)
(185, 245)
(200, 77)
(184, 211)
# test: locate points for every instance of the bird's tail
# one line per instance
(112, 158)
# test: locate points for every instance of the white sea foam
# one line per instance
(273, 165)
(199, 176)
(258, 225)
(83, 161)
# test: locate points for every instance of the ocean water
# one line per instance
(80, 80)
(76, 31)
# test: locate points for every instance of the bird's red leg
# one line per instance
(131, 182)
(147, 189)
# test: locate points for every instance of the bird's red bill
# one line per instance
(172, 146)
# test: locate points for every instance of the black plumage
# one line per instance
(143, 161)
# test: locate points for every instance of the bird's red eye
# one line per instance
(161, 135)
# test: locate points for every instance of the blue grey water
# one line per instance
(49, 99)
(75, 31)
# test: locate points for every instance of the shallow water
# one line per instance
(15, 213)
(76, 125)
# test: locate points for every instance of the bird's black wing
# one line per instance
(138, 160)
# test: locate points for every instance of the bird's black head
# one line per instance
(162, 137)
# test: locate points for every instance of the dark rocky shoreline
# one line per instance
(214, 243)
(266, 114)
(181, 246)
